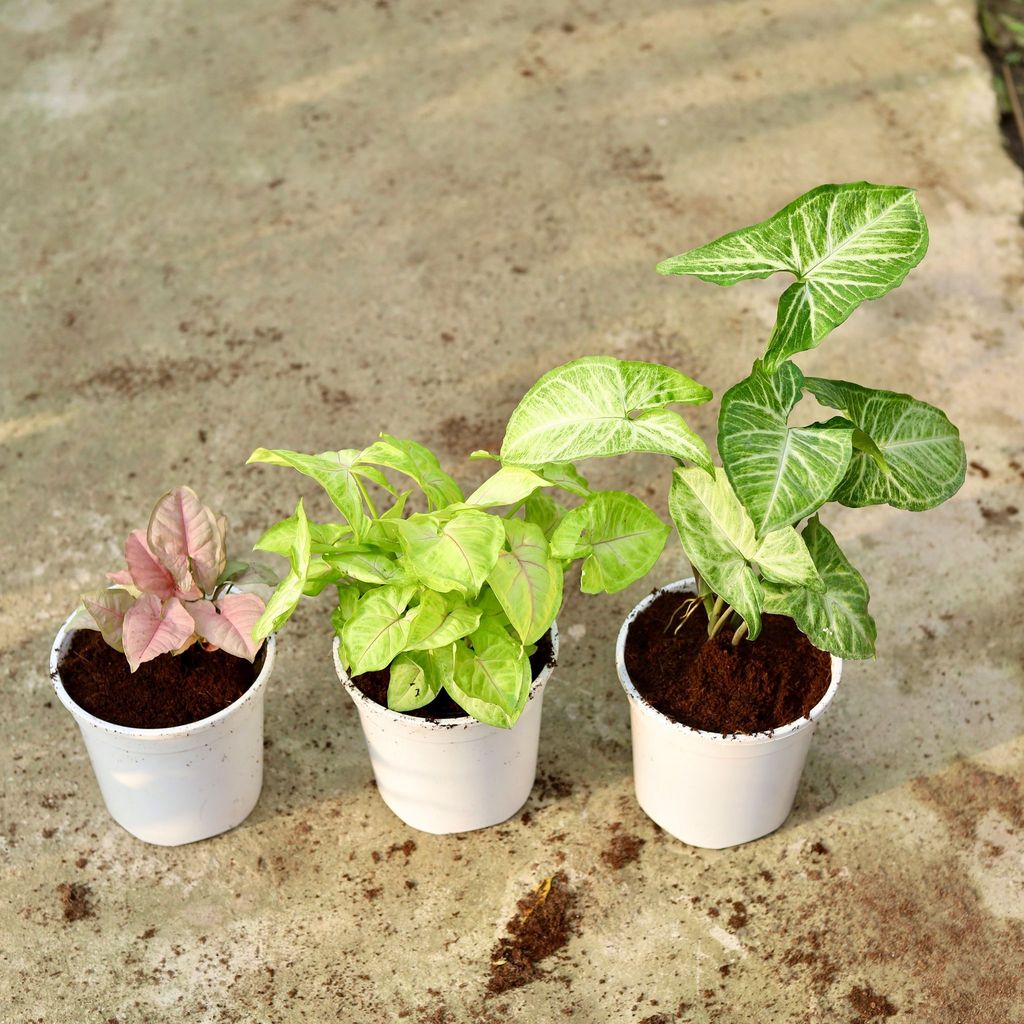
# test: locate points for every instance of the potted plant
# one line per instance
(444, 626)
(722, 716)
(165, 681)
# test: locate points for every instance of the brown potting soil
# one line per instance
(541, 926)
(375, 686)
(170, 690)
(75, 900)
(709, 684)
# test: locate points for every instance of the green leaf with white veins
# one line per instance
(599, 406)
(319, 575)
(566, 476)
(780, 473)
(544, 512)
(417, 677)
(419, 464)
(508, 486)
(442, 619)
(456, 554)
(322, 536)
(369, 566)
(618, 537)
(843, 243)
(336, 472)
(922, 449)
(719, 539)
(492, 681)
(527, 580)
(286, 597)
(836, 620)
(379, 628)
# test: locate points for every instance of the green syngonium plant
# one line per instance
(457, 597)
(739, 522)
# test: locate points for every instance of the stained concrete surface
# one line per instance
(230, 225)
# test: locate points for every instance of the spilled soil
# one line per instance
(169, 690)
(542, 925)
(75, 901)
(709, 684)
(623, 848)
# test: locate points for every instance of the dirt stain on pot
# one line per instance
(543, 924)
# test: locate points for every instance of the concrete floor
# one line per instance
(294, 225)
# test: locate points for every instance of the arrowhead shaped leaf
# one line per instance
(843, 243)
(508, 486)
(286, 597)
(456, 554)
(618, 537)
(417, 677)
(418, 463)
(187, 537)
(379, 628)
(319, 576)
(527, 580)
(544, 512)
(323, 537)
(108, 608)
(348, 599)
(492, 680)
(145, 570)
(336, 472)
(153, 627)
(440, 621)
(228, 623)
(780, 473)
(719, 539)
(369, 566)
(922, 449)
(837, 619)
(600, 406)
(566, 476)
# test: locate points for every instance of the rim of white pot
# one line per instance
(168, 732)
(441, 724)
(689, 585)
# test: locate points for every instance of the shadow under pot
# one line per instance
(707, 787)
(178, 784)
(447, 775)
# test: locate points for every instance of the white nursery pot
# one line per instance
(455, 774)
(706, 788)
(176, 785)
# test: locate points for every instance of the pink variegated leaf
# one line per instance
(107, 609)
(153, 627)
(184, 532)
(148, 573)
(228, 622)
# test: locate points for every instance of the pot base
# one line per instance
(705, 788)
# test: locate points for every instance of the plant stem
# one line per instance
(1014, 98)
(741, 632)
(366, 497)
(721, 622)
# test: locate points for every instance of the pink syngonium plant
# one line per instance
(171, 594)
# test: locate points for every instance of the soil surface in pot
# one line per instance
(375, 686)
(708, 684)
(170, 690)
